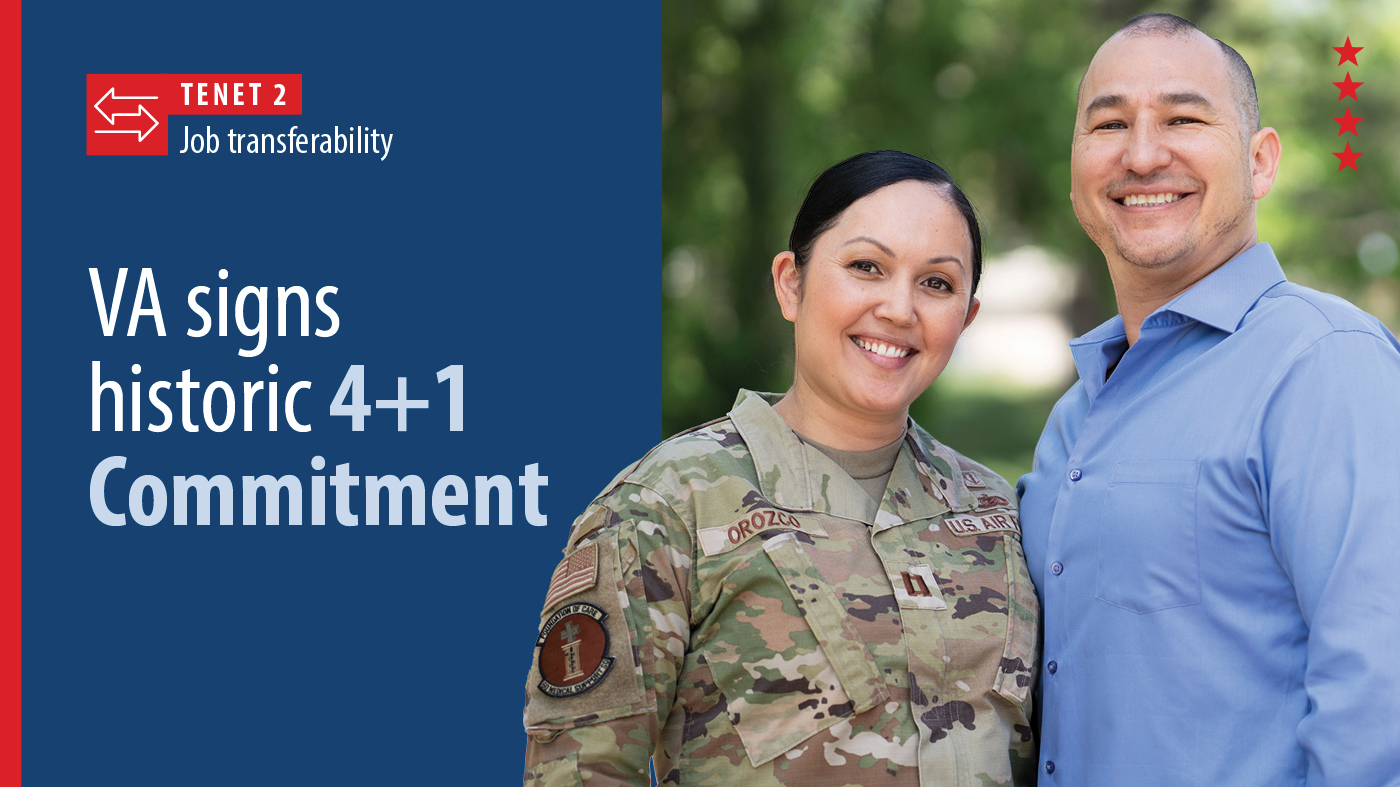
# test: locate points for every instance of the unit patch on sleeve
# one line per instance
(576, 573)
(972, 479)
(988, 523)
(573, 651)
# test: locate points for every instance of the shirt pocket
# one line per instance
(793, 664)
(1147, 545)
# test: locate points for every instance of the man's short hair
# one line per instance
(1240, 75)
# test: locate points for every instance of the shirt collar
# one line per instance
(1095, 350)
(1220, 300)
(924, 483)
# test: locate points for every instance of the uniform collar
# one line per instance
(925, 482)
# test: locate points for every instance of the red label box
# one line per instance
(128, 114)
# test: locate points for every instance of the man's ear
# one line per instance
(787, 284)
(1264, 152)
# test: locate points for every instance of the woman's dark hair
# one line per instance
(857, 176)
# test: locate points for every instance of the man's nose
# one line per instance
(1146, 152)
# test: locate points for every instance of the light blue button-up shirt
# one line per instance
(1214, 531)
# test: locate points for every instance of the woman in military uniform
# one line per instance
(811, 590)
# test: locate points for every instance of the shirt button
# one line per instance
(1057, 567)
(1049, 766)
(1075, 474)
(1052, 666)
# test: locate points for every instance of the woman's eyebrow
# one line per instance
(948, 258)
(872, 241)
(887, 250)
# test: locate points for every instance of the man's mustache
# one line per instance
(1151, 185)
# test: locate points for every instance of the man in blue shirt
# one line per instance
(1213, 519)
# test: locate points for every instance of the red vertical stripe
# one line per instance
(10, 562)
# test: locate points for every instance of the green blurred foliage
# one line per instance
(759, 96)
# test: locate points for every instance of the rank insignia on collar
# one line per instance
(916, 587)
(573, 650)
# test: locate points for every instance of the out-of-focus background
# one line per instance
(759, 96)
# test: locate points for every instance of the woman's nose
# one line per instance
(896, 304)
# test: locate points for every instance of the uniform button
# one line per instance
(1057, 567)
(1075, 474)
(1052, 666)
(1049, 766)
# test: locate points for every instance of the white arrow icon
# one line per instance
(112, 94)
(140, 135)
(112, 118)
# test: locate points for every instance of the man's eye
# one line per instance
(1180, 121)
(1112, 125)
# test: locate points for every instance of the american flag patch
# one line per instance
(578, 572)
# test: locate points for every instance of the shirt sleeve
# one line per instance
(607, 733)
(1328, 464)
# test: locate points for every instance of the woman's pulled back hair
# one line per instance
(843, 184)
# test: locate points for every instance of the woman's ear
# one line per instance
(787, 284)
(972, 308)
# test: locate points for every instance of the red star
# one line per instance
(1348, 123)
(1348, 87)
(1348, 52)
(1348, 158)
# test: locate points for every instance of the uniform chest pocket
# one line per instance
(788, 674)
(990, 625)
(1147, 546)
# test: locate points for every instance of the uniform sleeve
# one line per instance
(605, 730)
(1329, 464)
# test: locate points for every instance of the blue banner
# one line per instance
(308, 411)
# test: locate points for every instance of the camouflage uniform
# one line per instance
(766, 624)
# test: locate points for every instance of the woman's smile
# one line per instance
(882, 349)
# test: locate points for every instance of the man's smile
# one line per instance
(1150, 200)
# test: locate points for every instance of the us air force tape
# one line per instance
(573, 650)
(972, 525)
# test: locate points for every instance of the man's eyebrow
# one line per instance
(1178, 99)
(1110, 101)
(1116, 101)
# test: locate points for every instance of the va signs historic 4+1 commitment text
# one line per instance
(144, 404)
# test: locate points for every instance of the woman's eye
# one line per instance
(864, 266)
(939, 284)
